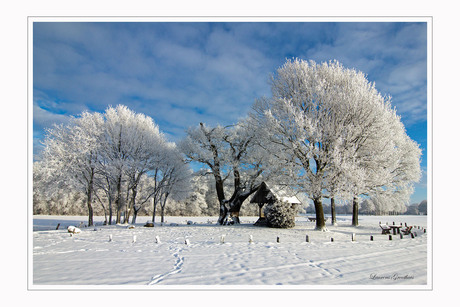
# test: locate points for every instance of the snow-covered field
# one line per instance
(223, 257)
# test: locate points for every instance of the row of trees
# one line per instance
(119, 159)
(201, 201)
(416, 209)
(324, 132)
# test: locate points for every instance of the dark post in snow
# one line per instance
(307, 239)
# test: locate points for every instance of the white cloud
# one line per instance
(185, 73)
(45, 119)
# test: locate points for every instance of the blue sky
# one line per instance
(181, 74)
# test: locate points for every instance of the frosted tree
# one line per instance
(299, 131)
(367, 206)
(246, 167)
(176, 178)
(132, 147)
(384, 163)
(333, 131)
(196, 200)
(205, 145)
(71, 155)
(229, 153)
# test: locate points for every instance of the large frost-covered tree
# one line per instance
(334, 133)
(205, 145)
(71, 155)
(246, 168)
(132, 146)
(228, 152)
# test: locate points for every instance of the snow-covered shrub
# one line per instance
(280, 214)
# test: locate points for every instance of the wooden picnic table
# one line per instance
(396, 228)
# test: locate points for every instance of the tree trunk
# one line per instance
(163, 205)
(127, 204)
(105, 211)
(90, 208)
(354, 221)
(237, 198)
(155, 201)
(118, 201)
(221, 197)
(220, 188)
(89, 199)
(110, 209)
(134, 216)
(132, 203)
(333, 214)
(223, 212)
(320, 224)
(105, 217)
(234, 205)
(90, 214)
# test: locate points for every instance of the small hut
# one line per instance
(265, 195)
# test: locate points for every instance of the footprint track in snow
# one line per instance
(177, 269)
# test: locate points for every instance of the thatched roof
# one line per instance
(266, 194)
